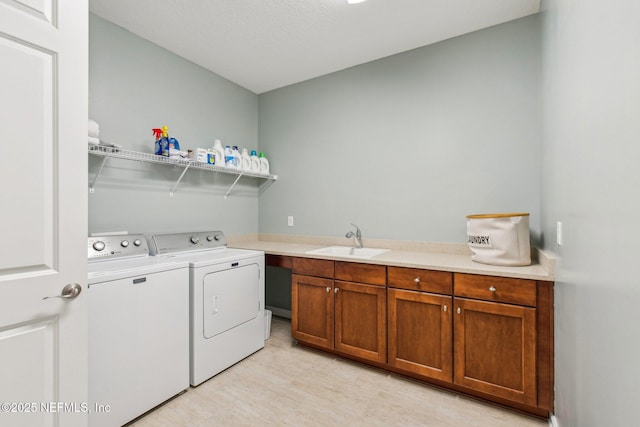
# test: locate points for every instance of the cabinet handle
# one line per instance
(492, 289)
(445, 308)
(459, 311)
(417, 280)
(328, 289)
(335, 290)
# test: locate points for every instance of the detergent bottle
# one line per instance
(236, 157)
(229, 160)
(218, 153)
(172, 144)
(255, 161)
(264, 164)
(246, 160)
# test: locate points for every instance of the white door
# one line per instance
(43, 206)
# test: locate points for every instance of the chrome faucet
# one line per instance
(357, 236)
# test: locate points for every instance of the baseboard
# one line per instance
(553, 421)
(280, 312)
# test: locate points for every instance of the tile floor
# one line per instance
(289, 385)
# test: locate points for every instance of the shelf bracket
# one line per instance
(179, 179)
(264, 186)
(93, 184)
(226, 196)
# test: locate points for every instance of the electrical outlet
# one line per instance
(559, 233)
(290, 221)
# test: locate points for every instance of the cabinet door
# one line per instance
(312, 310)
(495, 349)
(420, 333)
(361, 312)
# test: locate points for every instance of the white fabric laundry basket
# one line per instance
(499, 239)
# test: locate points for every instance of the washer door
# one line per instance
(231, 298)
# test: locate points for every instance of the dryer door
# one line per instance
(231, 298)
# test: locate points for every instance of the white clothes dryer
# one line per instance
(226, 299)
(138, 329)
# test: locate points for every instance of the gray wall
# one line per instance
(408, 145)
(591, 182)
(135, 86)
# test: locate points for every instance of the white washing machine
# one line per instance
(138, 329)
(226, 299)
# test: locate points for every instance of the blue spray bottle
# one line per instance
(158, 134)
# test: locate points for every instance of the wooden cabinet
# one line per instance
(312, 310)
(312, 301)
(482, 339)
(346, 316)
(313, 267)
(360, 317)
(495, 342)
(419, 323)
(496, 289)
(487, 336)
(420, 334)
(495, 349)
(361, 310)
(415, 279)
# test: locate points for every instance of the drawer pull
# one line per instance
(328, 289)
(445, 308)
(417, 280)
(492, 288)
(459, 311)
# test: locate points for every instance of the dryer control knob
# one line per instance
(124, 243)
(194, 239)
(209, 238)
(218, 237)
(137, 242)
(99, 246)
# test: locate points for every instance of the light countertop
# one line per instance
(454, 257)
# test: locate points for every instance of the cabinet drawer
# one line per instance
(415, 279)
(313, 267)
(361, 273)
(279, 261)
(500, 289)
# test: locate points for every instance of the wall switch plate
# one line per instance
(290, 221)
(559, 233)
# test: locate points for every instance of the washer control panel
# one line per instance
(186, 242)
(108, 247)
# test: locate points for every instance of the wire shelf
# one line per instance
(119, 153)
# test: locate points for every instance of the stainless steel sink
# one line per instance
(348, 251)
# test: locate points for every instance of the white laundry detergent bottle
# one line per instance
(245, 160)
(255, 162)
(218, 152)
(236, 157)
(229, 159)
(264, 164)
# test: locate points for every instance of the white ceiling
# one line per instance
(266, 44)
